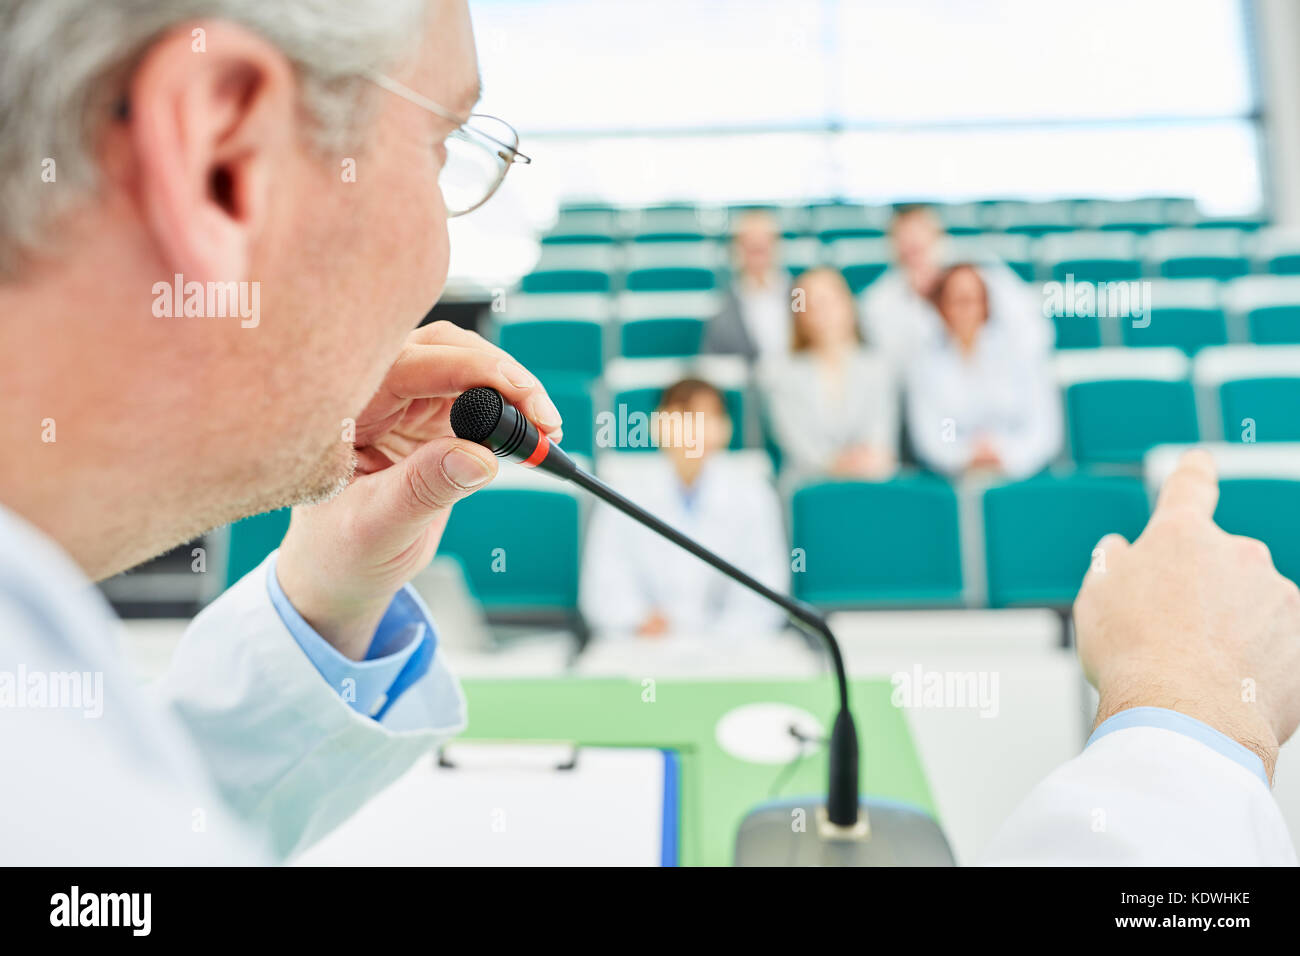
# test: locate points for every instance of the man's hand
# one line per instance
(985, 456)
(1193, 619)
(342, 561)
(656, 625)
(863, 461)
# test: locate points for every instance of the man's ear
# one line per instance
(212, 121)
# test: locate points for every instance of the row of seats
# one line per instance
(1118, 402)
(895, 543)
(580, 333)
(1188, 314)
(697, 263)
(863, 544)
(834, 220)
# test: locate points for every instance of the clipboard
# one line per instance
(518, 803)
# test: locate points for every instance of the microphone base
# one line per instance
(796, 832)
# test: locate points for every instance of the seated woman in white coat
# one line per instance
(635, 582)
(898, 308)
(831, 402)
(981, 398)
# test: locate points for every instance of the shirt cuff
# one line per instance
(399, 654)
(1166, 719)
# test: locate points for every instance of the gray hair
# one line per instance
(62, 62)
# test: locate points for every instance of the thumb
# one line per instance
(435, 477)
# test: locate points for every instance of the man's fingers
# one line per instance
(430, 481)
(536, 407)
(1193, 488)
(446, 333)
(444, 371)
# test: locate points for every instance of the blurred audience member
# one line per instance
(981, 398)
(635, 582)
(755, 316)
(832, 404)
(898, 308)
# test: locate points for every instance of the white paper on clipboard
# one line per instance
(515, 804)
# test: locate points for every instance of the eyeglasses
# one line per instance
(480, 151)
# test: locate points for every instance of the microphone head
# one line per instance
(476, 413)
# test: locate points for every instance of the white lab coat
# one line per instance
(814, 420)
(900, 324)
(242, 753)
(1146, 796)
(1003, 392)
(628, 571)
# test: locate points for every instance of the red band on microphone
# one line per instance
(539, 453)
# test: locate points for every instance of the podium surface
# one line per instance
(717, 787)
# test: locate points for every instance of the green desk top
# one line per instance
(717, 789)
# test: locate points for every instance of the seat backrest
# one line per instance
(877, 543)
(519, 547)
(556, 346)
(1267, 509)
(1039, 534)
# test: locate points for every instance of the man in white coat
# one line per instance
(899, 318)
(283, 163)
(304, 156)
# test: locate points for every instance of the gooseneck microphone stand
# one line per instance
(842, 792)
(481, 415)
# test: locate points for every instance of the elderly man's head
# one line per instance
(159, 157)
(756, 240)
(916, 233)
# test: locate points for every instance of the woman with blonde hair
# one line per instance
(832, 403)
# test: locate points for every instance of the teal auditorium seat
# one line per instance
(671, 235)
(1273, 404)
(566, 346)
(572, 397)
(859, 275)
(519, 548)
(1284, 265)
(1023, 268)
(251, 540)
(670, 279)
(888, 543)
(1274, 325)
(1140, 227)
(1097, 270)
(1118, 420)
(1039, 534)
(579, 239)
(851, 232)
(646, 400)
(1267, 509)
(1037, 230)
(566, 280)
(1077, 331)
(1186, 329)
(1240, 223)
(661, 338)
(1204, 267)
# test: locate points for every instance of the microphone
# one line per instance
(481, 415)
